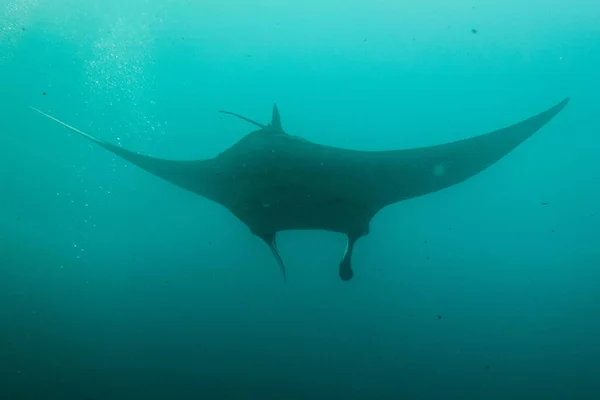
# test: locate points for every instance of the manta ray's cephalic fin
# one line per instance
(270, 241)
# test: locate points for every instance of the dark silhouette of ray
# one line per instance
(273, 181)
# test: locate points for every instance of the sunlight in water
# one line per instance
(14, 21)
(116, 71)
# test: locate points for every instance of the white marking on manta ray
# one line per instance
(439, 169)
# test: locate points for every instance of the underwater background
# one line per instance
(117, 285)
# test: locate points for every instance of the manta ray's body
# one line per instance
(273, 181)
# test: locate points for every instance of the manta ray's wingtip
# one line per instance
(553, 111)
(545, 116)
(562, 104)
(564, 101)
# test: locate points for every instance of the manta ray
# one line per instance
(273, 181)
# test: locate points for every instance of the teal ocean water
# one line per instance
(117, 285)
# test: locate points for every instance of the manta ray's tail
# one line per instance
(150, 164)
(275, 119)
(90, 137)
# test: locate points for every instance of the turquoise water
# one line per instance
(116, 285)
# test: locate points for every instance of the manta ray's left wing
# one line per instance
(196, 176)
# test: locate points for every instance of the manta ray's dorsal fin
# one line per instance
(276, 119)
(244, 118)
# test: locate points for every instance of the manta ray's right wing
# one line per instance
(403, 174)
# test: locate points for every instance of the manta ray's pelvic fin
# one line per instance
(345, 270)
(244, 118)
(270, 241)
